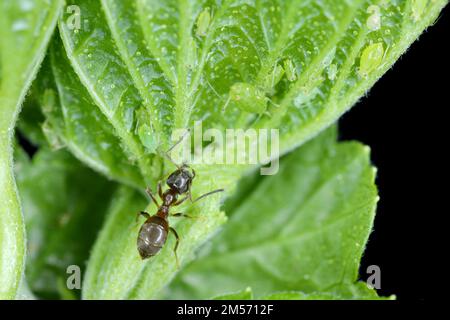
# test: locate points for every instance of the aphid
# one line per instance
(145, 131)
(248, 97)
(147, 137)
(332, 72)
(273, 78)
(371, 58)
(374, 20)
(254, 98)
(153, 233)
(203, 22)
(289, 68)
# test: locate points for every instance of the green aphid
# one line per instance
(147, 135)
(148, 139)
(48, 100)
(52, 136)
(273, 78)
(203, 21)
(248, 98)
(332, 72)
(371, 59)
(289, 68)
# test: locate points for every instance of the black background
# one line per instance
(399, 119)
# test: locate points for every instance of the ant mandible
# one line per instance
(153, 233)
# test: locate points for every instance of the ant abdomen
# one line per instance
(152, 236)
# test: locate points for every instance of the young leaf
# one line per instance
(25, 28)
(61, 200)
(302, 229)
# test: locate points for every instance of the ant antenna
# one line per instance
(166, 154)
(208, 194)
(273, 103)
(226, 104)
(212, 88)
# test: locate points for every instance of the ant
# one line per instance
(153, 233)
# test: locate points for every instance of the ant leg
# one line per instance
(180, 201)
(189, 192)
(176, 246)
(208, 194)
(150, 193)
(166, 154)
(226, 104)
(180, 214)
(142, 213)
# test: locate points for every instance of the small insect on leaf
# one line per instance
(272, 78)
(145, 131)
(371, 58)
(248, 97)
(418, 8)
(48, 100)
(52, 137)
(147, 138)
(203, 22)
(374, 20)
(289, 68)
(332, 71)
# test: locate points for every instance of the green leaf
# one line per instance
(247, 294)
(302, 229)
(354, 291)
(25, 27)
(300, 296)
(61, 200)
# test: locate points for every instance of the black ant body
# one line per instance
(153, 233)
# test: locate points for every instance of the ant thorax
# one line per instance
(169, 197)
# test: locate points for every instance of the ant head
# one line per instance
(181, 179)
